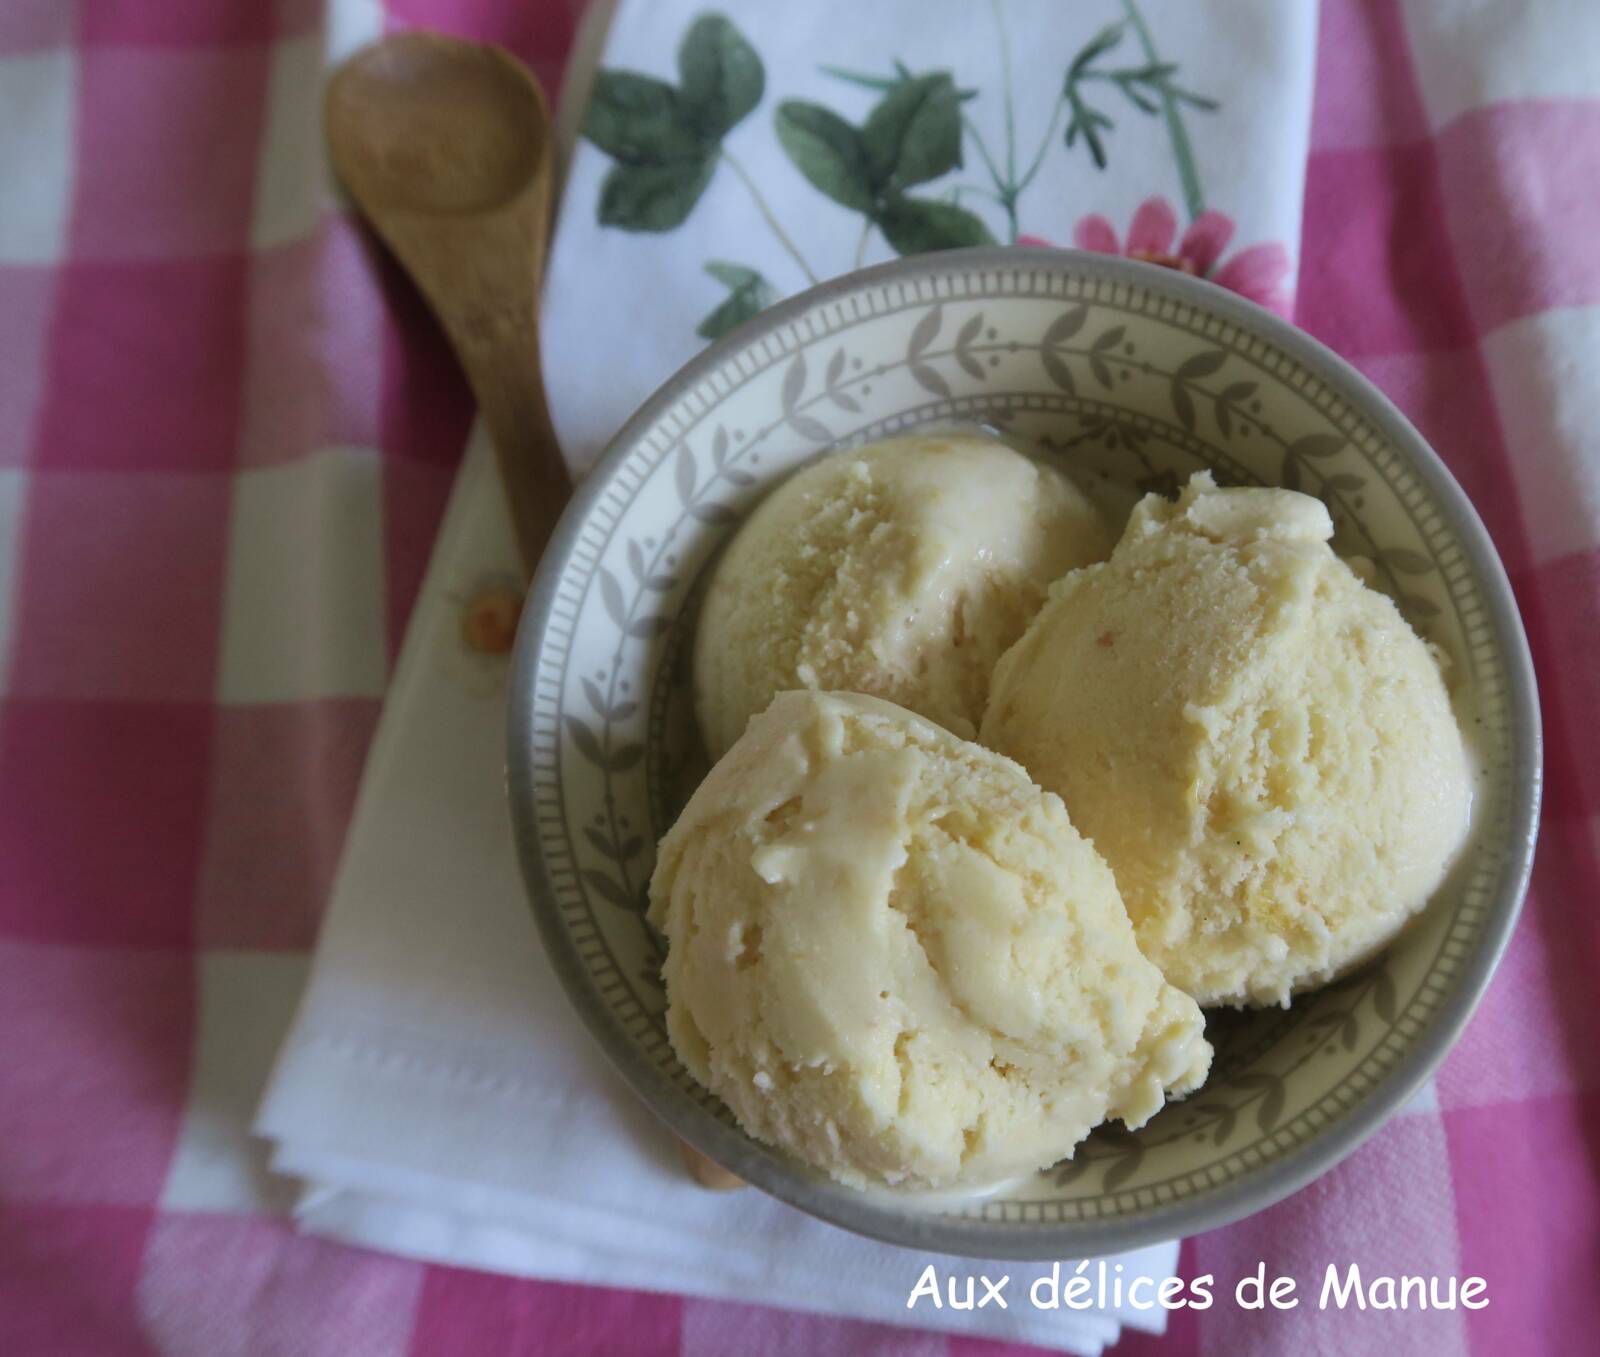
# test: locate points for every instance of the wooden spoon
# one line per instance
(446, 148)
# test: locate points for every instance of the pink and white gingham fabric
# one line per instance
(226, 435)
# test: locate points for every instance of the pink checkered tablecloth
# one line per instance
(227, 431)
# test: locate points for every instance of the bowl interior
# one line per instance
(1131, 378)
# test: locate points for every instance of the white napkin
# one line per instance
(436, 1095)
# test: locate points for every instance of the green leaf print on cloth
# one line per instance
(918, 225)
(828, 151)
(668, 142)
(914, 134)
(1148, 86)
(748, 295)
(723, 79)
(911, 136)
(653, 197)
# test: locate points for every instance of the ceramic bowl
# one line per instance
(1132, 377)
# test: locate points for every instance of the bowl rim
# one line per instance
(867, 1213)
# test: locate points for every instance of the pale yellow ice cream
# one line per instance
(903, 570)
(893, 956)
(1260, 746)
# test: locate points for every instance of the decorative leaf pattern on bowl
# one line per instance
(1062, 328)
(842, 399)
(966, 337)
(1383, 996)
(1127, 1154)
(1192, 370)
(617, 760)
(1223, 1119)
(1228, 399)
(1102, 346)
(794, 385)
(1269, 1109)
(923, 373)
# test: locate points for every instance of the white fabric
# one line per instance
(436, 1095)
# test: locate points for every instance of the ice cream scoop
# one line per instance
(902, 570)
(1262, 748)
(892, 955)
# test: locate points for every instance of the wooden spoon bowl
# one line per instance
(431, 125)
(446, 147)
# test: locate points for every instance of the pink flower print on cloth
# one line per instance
(1258, 272)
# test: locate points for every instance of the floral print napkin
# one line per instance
(730, 157)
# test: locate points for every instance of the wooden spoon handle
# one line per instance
(506, 379)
